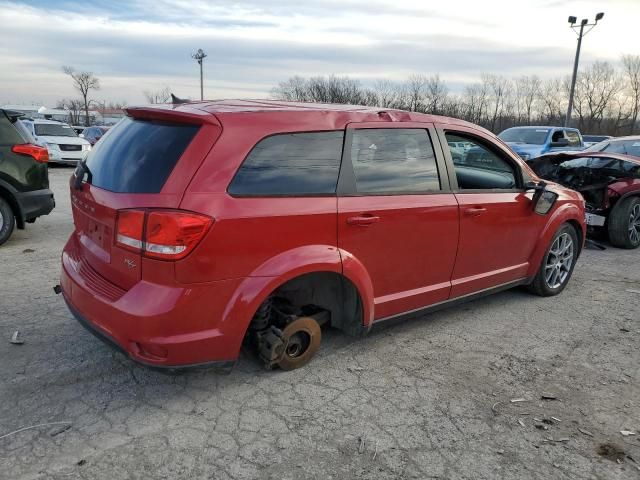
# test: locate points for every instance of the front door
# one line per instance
(397, 215)
(498, 227)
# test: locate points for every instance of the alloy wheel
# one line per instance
(559, 261)
(1, 220)
(634, 224)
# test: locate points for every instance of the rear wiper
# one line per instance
(81, 170)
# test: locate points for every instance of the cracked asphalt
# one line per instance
(428, 398)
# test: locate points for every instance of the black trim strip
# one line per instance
(448, 303)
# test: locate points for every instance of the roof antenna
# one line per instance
(175, 100)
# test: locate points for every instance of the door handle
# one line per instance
(362, 220)
(475, 211)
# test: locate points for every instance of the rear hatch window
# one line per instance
(137, 156)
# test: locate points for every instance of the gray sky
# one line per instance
(140, 45)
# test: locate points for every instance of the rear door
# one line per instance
(133, 168)
(498, 227)
(397, 215)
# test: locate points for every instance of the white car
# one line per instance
(62, 142)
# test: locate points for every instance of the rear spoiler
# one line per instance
(13, 115)
(180, 113)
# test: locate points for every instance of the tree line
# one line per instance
(606, 99)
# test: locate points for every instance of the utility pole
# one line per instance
(200, 56)
(581, 33)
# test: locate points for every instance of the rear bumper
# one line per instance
(222, 365)
(35, 204)
(164, 326)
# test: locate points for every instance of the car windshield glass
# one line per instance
(532, 136)
(54, 130)
(594, 138)
(626, 147)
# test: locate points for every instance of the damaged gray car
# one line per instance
(610, 185)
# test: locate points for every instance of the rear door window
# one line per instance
(137, 156)
(291, 164)
(394, 160)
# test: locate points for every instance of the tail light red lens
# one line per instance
(162, 234)
(129, 230)
(39, 154)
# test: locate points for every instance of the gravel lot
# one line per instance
(429, 398)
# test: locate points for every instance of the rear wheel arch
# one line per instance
(331, 291)
(8, 196)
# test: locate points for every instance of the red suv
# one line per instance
(203, 226)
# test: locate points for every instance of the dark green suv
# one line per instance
(24, 176)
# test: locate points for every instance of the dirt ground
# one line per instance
(429, 398)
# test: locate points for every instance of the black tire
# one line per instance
(624, 223)
(560, 275)
(7, 221)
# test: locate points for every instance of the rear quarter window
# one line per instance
(137, 156)
(291, 164)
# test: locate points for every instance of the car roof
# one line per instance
(336, 114)
(616, 156)
(546, 127)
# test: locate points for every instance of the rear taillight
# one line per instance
(129, 229)
(39, 154)
(163, 234)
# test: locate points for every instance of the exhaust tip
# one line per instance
(57, 289)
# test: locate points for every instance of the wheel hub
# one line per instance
(634, 224)
(301, 339)
(559, 261)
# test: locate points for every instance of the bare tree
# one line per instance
(292, 90)
(415, 91)
(387, 93)
(596, 87)
(631, 66)
(158, 96)
(84, 82)
(435, 95)
(495, 102)
(527, 90)
(74, 108)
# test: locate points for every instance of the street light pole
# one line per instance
(581, 33)
(200, 56)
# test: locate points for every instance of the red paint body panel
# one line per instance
(498, 233)
(422, 250)
(409, 253)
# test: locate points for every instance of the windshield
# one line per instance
(54, 130)
(626, 147)
(532, 136)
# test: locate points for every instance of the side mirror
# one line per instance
(543, 199)
(81, 135)
(561, 142)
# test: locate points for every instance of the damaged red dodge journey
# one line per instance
(204, 226)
